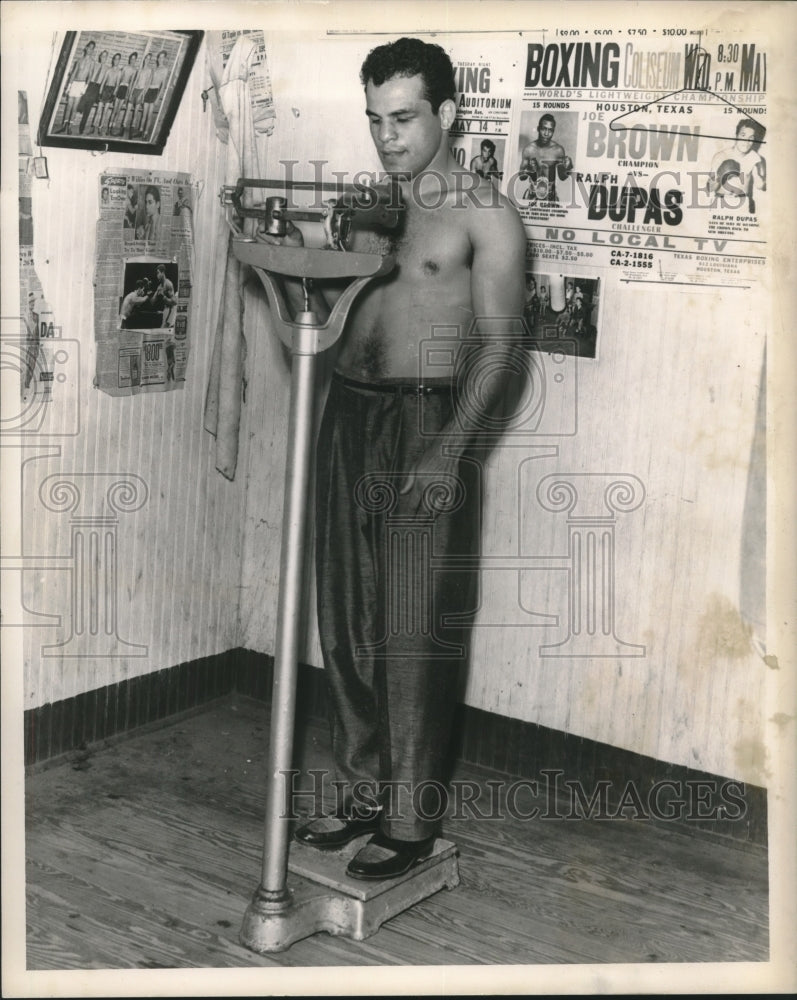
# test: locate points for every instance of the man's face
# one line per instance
(406, 132)
(745, 139)
(545, 131)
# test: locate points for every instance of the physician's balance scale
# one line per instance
(309, 891)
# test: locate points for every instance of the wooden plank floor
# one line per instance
(144, 854)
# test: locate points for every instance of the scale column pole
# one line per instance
(283, 709)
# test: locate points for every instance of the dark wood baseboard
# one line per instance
(588, 777)
(58, 728)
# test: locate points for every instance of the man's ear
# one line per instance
(447, 113)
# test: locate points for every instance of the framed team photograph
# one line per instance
(117, 90)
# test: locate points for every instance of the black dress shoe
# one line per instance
(318, 834)
(384, 857)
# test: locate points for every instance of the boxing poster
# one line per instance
(637, 155)
(485, 98)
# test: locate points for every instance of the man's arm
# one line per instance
(528, 164)
(321, 302)
(713, 183)
(760, 174)
(498, 292)
(161, 83)
(564, 166)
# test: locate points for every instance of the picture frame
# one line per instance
(117, 90)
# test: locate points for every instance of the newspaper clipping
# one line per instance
(641, 158)
(143, 281)
(37, 326)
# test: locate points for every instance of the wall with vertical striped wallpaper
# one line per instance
(667, 411)
(178, 556)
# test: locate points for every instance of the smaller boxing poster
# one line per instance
(485, 98)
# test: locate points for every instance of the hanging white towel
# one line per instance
(227, 381)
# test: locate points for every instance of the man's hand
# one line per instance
(292, 238)
(321, 298)
(530, 169)
(434, 472)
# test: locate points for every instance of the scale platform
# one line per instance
(324, 898)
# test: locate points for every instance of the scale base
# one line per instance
(321, 897)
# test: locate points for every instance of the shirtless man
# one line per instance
(108, 94)
(390, 415)
(124, 92)
(131, 303)
(485, 164)
(142, 83)
(79, 77)
(738, 172)
(155, 86)
(543, 161)
(164, 298)
(544, 301)
(90, 99)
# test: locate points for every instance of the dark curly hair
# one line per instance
(758, 130)
(412, 57)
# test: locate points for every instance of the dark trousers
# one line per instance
(387, 582)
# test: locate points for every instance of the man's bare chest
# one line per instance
(431, 244)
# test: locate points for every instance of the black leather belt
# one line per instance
(399, 388)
